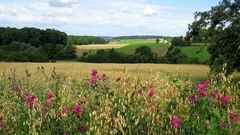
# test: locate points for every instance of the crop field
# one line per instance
(198, 51)
(81, 69)
(85, 48)
(125, 46)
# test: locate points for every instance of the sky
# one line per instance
(104, 17)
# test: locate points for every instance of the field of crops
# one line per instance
(125, 46)
(81, 98)
(85, 48)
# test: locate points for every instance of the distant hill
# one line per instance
(107, 37)
(138, 37)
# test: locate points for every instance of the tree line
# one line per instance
(34, 45)
(85, 40)
(142, 54)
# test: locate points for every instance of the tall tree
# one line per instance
(221, 26)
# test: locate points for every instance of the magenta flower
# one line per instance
(94, 72)
(175, 122)
(48, 104)
(94, 78)
(77, 109)
(225, 99)
(202, 93)
(118, 79)
(234, 117)
(1, 123)
(82, 128)
(50, 95)
(202, 85)
(30, 101)
(93, 82)
(151, 91)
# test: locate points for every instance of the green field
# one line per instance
(198, 51)
(129, 46)
(156, 48)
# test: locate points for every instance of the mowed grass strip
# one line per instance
(198, 51)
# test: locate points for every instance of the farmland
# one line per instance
(125, 46)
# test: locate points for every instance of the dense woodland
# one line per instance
(35, 45)
(85, 40)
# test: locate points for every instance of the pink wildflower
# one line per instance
(77, 109)
(175, 122)
(31, 101)
(66, 133)
(202, 93)
(94, 72)
(93, 82)
(48, 104)
(202, 85)
(50, 95)
(151, 91)
(234, 117)
(225, 99)
(118, 79)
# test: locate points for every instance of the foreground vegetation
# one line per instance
(101, 103)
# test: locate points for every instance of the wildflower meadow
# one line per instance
(123, 104)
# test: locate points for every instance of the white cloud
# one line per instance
(95, 17)
(149, 11)
(62, 3)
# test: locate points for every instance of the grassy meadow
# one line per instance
(197, 51)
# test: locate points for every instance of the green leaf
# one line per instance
(216, 113)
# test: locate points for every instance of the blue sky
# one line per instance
(104, 17)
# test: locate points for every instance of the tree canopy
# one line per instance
(221, 27)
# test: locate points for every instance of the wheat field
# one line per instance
(82, 69)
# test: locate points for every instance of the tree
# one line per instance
(179, 41)
(157, 40)
(221, 25)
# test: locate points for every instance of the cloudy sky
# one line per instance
(104, 17)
